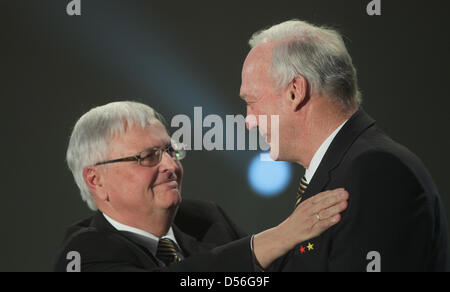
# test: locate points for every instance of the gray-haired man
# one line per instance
(395, 220)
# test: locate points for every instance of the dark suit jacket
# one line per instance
(209, 241)
(394, 207)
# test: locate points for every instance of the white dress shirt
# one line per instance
(320, 153)
(152, 240)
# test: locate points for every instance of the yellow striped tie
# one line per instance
(301, 190)
(167, 252)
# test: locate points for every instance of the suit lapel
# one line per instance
(188, 244)
(100, 223)
(354, 127)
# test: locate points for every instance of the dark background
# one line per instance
(174, 55)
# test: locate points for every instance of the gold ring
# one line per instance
(318, 216)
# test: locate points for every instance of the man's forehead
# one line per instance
(255, 71)
(254, 62)
(136, 138)
(260, 54)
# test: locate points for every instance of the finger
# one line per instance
(341, 192)
(328, 202)
(321, 196)
(309, 203)
(333, 210)
(323, 225)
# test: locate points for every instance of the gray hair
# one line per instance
(88, 143)
(317, 53)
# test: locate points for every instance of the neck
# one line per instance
(157, 223)
(318, 121)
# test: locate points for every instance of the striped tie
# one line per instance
(301, 190)
(167, 252)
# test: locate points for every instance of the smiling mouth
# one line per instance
(169, 182)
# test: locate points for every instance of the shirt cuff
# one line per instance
(256, 264)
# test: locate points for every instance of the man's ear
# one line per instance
(93, 179)
(298, 92)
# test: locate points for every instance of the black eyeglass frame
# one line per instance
(139, 158)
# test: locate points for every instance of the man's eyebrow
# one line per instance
(166, 144)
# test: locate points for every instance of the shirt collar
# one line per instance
(320, 153)
(151, 239)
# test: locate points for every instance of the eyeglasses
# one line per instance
(152, 156)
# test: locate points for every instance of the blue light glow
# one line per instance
(268, 178)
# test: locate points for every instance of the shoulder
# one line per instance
(198, 206)
(382, 170)
(381, 181)
(94, 246)
(376, 169)
(376, 155)
(378, 162)
(198, 218)
(198, 212)
(377, 149)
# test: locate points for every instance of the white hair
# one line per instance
(317, 53)
(88, 143)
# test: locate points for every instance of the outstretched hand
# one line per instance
(315, 215)
(309, 220)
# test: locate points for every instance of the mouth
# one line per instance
(170, 183)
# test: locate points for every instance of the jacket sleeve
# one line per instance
(235, 256)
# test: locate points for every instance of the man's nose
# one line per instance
(168, 163)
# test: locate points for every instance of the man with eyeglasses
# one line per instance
(128, 170)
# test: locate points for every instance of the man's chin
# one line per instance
(274, 154)
(170, 198)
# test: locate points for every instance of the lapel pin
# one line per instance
(304, 249)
